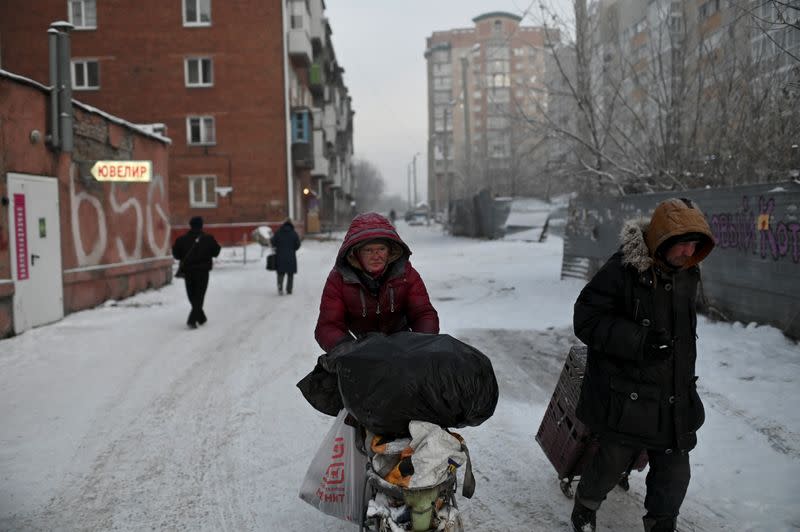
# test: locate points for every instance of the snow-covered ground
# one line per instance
(121, 418)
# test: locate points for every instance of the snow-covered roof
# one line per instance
(88, 108)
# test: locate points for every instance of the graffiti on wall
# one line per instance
(91, 252)
(755, 229)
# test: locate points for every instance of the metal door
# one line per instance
(35, 247)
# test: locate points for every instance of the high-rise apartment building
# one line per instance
(484, 84)
(249, 92)
(697, 87)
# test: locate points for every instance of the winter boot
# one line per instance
(583, 519)
(659, 524)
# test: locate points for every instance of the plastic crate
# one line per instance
(562, 437)
(567, 442)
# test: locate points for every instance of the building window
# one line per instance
(203, 191)
(498, 26)
(199, 72)
(300, 127)
(85, 74)
(83, 14)
(441, 55)
(440, 83)
(196, 12)
(200, 130)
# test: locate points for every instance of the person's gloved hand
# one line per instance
(657, 344)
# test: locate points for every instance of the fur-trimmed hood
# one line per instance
(634, 248)
(641, 238)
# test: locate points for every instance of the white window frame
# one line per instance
(83, 3)
(200, 70)
(83, 65)
(206, 139)
(197, 8)
(205, 201)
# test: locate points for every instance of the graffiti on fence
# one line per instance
(755, 229)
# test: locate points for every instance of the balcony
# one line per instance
(318, 21)
(329, 122)
(303, 155)
(300, 45)
(302, 138)
(321, 165)
(316, 79)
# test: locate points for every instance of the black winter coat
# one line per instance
(625, 396)
(197, 258)
(286, 243)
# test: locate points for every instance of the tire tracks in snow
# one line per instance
(781, 439)
(192, 463)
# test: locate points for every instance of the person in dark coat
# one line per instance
(286, 242)
(373, 287)
(196, 249)
(637, 317)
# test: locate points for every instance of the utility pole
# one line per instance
(448, 180)
(415, 178)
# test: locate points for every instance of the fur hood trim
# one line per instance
(634, 247)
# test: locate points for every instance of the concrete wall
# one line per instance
(115, 237)
(753, 274)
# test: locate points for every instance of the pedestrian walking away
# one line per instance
(373, 287)
(195, 251)
(286, 242)
(637, 317)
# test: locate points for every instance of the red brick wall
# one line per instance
(115, 238)
(141, 48)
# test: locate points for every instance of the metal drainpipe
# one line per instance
(64, 84)
(289, 180)
(52, 44)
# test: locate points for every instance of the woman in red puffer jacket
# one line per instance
(373, 287)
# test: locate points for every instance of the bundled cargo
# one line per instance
(387, 381)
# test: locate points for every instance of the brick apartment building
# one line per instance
(479, 80)
(226, 82)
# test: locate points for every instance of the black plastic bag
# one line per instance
(387, 381)
(321, 390)
(272, 262)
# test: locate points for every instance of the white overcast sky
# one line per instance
(381, 45)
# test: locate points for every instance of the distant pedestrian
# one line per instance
(637, 316)
(194, 250)
(286, 243)
(392, 216)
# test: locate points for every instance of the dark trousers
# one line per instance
(196, 285)
(667, 478)
(289, 282)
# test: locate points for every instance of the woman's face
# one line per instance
(373, 257)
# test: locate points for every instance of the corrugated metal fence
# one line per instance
(753, 273)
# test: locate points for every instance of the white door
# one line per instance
(35, 244)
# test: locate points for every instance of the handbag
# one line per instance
(271, 262)
(180, 274)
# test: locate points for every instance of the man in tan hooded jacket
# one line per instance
(637, 317)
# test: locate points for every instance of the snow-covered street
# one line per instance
(121, 418)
